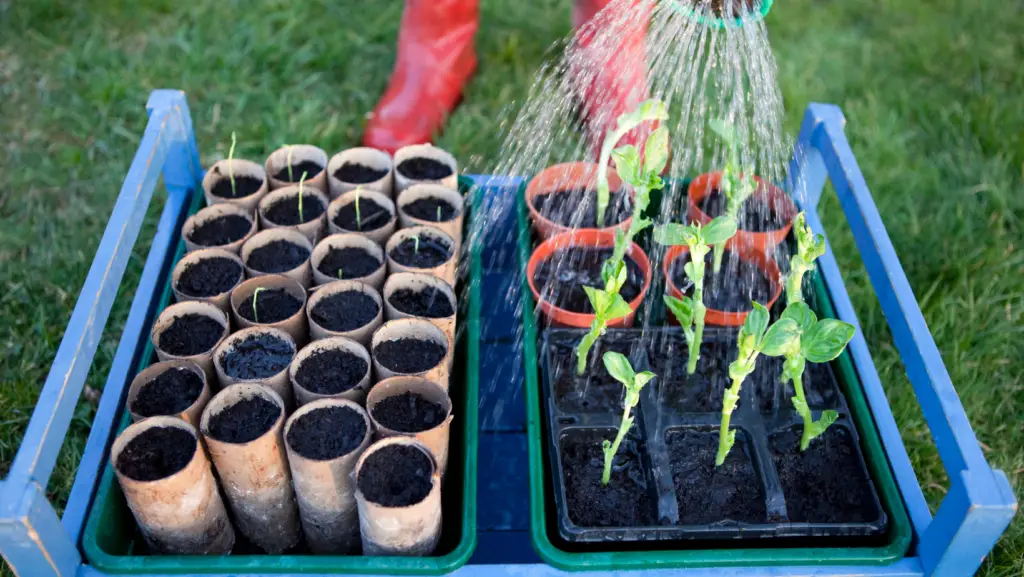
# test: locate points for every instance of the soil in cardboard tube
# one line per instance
(428, 302)
(422, 168)
(277, 256)
(732, 289)
(577, 207)
(285, 211)
(560, 278)
(625, 502)
(352, 261)
(209, 277)
(224, 229)
(244, 186)
(327, 433)
(331, 371)
(757, 214)
(432, 209)
(258, 356)
(190, 334)
(157, 453)
(409, 355)
(244, 421)
(396, 476)
(429, 253)
(409, 412)
(170, 393)
(345, 311)
(371, 216)
(310, 167)
(357, 173)
(272, 305)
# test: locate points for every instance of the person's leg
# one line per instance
(435, 60)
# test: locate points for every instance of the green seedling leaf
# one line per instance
(627, 164)
(648, 110)
(801, 314)
(671, 234)
(599, 299)
(723, 129)
(619, 308)
(642, 379)
(656, 151)
(756, 323)
(719, 230)
(681, 309)
(825, 340)
(690, 269)
(619, 367)
(780, 338)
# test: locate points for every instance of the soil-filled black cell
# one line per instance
(732, 289)
(331, 371)
(285, 211)
(357, 173)
(702, 391)
(222, 230)
(272, 305)
(396, 476)
(420, 168)
(245, 420)
(408, 355)
(170, 393)
(310, 167)
(190, 334)
(625, 502)
(820, 386)
(758, 213)
(595, 391)
(577, 207)
(409, 412)
(371, 216)
(244, 186)
(560, 278)
(427, 302)
(157, 453)
(826, 483)
(277, 256)
(345, 311)
(327, 433)
(209, 277)
(707, 494)
(353, 262)
(258, 356)
(432, 209)
(427, 253)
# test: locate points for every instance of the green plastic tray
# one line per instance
(112, 541)
(897, 539)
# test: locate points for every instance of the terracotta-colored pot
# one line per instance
(563, 176)
(313, 229)
(299, 153)
(190, 414)
(302, 273)
(763, 242)
(213, 212)
(446, 270)
(417, 282)
(418, 329)
(379, 235)
(349, 240)
(435, 438)
(370, 157)
(222, 300)
(294, 325)
(278, 382)
(403, 182)
(452, 227)
(357, 393)
(222, 171)
(361, 335)
(166, 319)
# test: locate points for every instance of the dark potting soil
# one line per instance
(331, 371)
(409, 412)
(820, 386)
(429, 253)
(737, 283)
(285, 211)
(257, 357)
(170, 393)
(595, 391)
(371, 216)
(157, 453)
(353, 262)
(327, 433)
(245, 420)
(700, 392)
(244, 186)
(222, 230)
(277, 256)
(310, 167)
(408, 355)
(562, 276)
(577, 207)
(396, 476)
(190, 334)
(428, 302)
(707, 494)
(272, 305)
(209, 277)
(357, 173)
(345, 311)
(421, 168)
(624, 502)
(431, 209)
(756, 215)
(826, 483)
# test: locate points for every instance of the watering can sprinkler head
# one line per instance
(706, 16)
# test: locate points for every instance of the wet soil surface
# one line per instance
(409, 413)
(345, 311)
(420, 168)
(577, 207)
(737, 283)
(427, 254)
(428, 302)
(244, 186)
(431, 209)
(190, 334)
(371, 216)
(700, 392)
(353, 262)
(277, 256)
(257, 357)
(595, 391)
(327, 433)
(560, 278)
(244, 421)
(310, 167)
(331, 371)
(271, 306)
(396, 476)
(625, 502)
(286, 210)
(357, 173)
(157, 453)
(758, 213)
(210, 277)
(820, 386)
(170, 393)
(221, 230)
(409, 356)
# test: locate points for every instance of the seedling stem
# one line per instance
(359, 220)
(231, 164)
(255, 296)
(621, 370)
(734, 184)
(302, 179)
(291, 177)
(340, 276)
(438, 214)
(416, 244)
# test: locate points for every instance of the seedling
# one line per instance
(340, 276)
(619, 368)
(649, 110)
(734, 184)
(231, 164)
(416, 244)
(438, 214)
(359, 220)
(291, 177)
(809, 247)
(608, 304)
(302, 179)
(255, 296)
(690, 310)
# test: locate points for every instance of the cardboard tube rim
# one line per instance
(278, 159)
(381, 444)
(150, 373)
(324, 404)
(367, 156)
(445, 270)
(265, 237)
(348, 240)
(135, 429)
(339, 286)
(247, 288)
(240, 167)
(320, 345)
(348, 198)
(173, 311)
(212, 212)
(190, 259)
(403, 327)
(239, 336)
(244, 390)
(426, 150)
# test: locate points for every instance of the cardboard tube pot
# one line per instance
(356, 393)
(219, 178)
(417, 329)
(429, 151)
(361, 334)
(254, 473)
(418, 283)
(763, 242)
(166, 320)
(182, 513)
(277, 166)
(434, 438)
(277, 382)
(190, 413)
(301, 272)
(567, 176)
(452, 226)
(222, 298)
(389, 526)
(312, 229)
(380, 233)
(211, 213)
(343, 241)
(324, 484)
(369, 157)
(295, 325)
(446, 270)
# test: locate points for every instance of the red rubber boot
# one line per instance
(435, 60)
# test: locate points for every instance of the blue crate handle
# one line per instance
(34, 541)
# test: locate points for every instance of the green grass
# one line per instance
(931, 92)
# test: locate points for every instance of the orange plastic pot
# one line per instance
(560, 177)
(560, 317)
(725, 318)
(762, 242)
